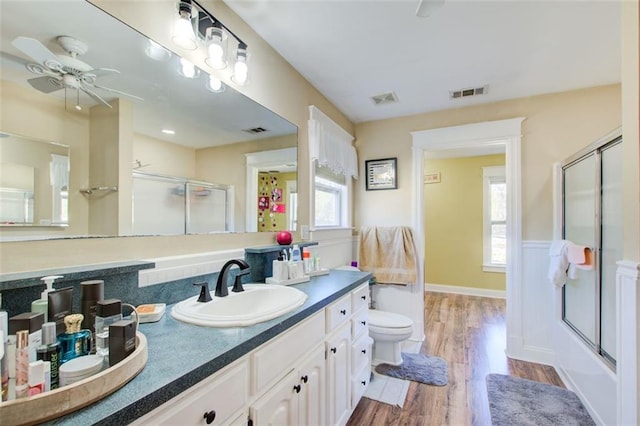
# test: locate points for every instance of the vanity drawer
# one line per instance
(361, 353)
(225, 392)
(273, 359)
(359, 385)
(360, 298)
(359, 323)
(338, 313)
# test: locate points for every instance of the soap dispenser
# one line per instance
(42, 305)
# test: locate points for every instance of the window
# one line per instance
(331, 199)
(494, 219)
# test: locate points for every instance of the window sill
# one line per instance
(494, 268)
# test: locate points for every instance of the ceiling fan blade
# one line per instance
(94, 96)
(36, 51)
(45, 84)
(118, 92)
(99, 72)
(427, 7)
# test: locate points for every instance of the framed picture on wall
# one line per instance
(381, 174)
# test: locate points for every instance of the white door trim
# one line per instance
(489, 133)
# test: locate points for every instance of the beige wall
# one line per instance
(454, 223)
(165, 158)
(555, 127)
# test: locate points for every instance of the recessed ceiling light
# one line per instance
(168, 132)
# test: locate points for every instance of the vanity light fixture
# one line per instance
(215, 84)
(195, 25)
(188, 69)
(216, 46)
(156, 52)
(184, 35)
(241, 66)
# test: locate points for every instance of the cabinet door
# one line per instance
(339, 375)
(279, 405)
(312, 409)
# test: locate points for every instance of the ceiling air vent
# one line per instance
(255, 130)
(385, 98)
(465, 93)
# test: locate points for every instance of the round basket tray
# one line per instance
(64, 400)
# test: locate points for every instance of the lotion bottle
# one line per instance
(42, 305)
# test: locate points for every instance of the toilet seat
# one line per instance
(389, 323)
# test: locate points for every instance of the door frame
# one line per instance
(485, 134)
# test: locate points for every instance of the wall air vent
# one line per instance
(385, 98)
(465, 93)
(255, 130)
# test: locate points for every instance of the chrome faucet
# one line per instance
(221, 284)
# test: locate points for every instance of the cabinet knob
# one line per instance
(297, 388)
(304, 379)
(334, 350)
(364, 351)
(363, 322)
(363, 297)
(363, 383)
(209, 417)
(343, 312)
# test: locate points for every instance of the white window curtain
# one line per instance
(331, 145)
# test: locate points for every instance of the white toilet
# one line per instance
(388, 330)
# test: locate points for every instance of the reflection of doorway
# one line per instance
(292, 210)
(473, 137)
(280, 160)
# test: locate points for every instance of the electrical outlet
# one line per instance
(304, 232)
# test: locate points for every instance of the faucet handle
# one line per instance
(205, 296)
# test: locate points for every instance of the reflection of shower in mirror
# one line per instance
(137, 164)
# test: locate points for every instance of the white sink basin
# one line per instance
(257, 303)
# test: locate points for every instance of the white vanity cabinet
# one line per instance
(218, 400)
(311, 374)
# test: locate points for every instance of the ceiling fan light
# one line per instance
(241, 66)
(183, 34)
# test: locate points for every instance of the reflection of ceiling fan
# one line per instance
(64, 71)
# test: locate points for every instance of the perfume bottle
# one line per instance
(22, 363)
(75, 342)
(50, 351)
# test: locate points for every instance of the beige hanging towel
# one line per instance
(389, 253)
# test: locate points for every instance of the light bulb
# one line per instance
(188, 69)
(215, 84)
(216, 49)
(183, 34)
(240, 72)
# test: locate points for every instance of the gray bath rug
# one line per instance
(431, 370)
(515, 401)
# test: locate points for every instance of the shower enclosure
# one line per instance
(592, 216)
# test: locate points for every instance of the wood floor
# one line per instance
(470, 334)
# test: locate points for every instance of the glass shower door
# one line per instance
(580, 212)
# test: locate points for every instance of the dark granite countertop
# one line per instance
(181, 355)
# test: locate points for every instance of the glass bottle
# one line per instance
(51, 351)
(75, 342)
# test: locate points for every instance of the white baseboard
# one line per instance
(468, 291)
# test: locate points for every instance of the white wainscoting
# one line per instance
(335, 246)
(532, 341)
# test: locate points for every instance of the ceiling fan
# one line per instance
(65, 71)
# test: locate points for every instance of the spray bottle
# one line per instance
(42, 305)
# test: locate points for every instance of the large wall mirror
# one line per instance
(139, 113)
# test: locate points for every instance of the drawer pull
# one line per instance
(343, 312)
(363, 297)
(304, 379)
(363, 383)
(363, 322)
(209, 417)
(297, 388)
(334, 350)
(364, 351)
